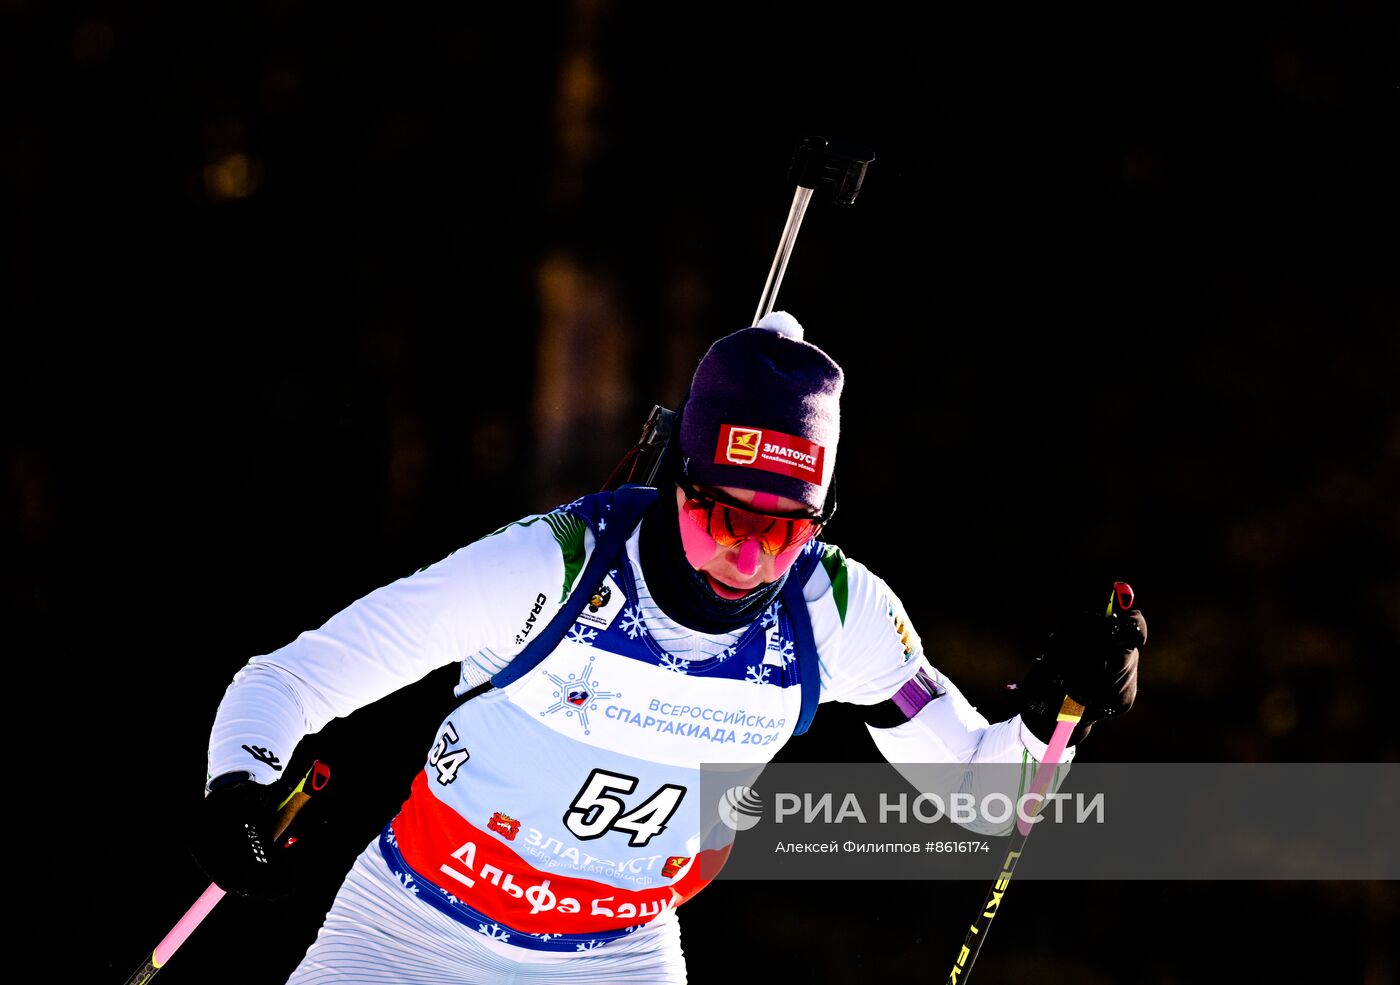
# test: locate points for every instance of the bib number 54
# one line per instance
(447, 761)
(595, 811)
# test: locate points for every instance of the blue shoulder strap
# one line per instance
(808, 666)
(628, 504)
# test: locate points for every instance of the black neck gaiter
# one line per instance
(679, 589)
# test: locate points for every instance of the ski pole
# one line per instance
(1071, 712)
(318, 775)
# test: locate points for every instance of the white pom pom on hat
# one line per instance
(782, 323)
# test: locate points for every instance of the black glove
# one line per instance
(1094, 660)
(231, 838)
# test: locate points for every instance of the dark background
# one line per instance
(304, 297)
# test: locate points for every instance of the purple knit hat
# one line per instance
(764, 413)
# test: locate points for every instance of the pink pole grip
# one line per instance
(192, 918)
(1053, 751)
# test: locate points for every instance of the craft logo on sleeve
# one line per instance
(772, 451)
(264, 756)
(529, 626)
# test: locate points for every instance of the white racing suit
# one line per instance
(549, 835)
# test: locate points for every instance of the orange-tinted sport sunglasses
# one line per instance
(730, 525)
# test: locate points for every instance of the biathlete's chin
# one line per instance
(725, 591)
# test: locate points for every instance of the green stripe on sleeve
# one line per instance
(568, 531)
(835, 564)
